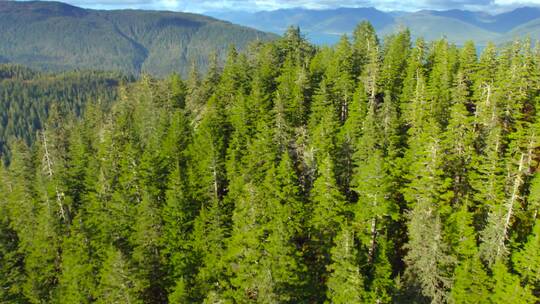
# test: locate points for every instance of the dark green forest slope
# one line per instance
(56, 36)
(28, 98)
(369, 172)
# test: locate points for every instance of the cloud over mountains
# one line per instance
(257, 5)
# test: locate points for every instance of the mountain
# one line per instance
(321, 26)
(458, 26)
(508, 21)
(531, 28)
(432, 26)
(57, 36)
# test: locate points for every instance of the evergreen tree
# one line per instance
(527, 261)
(471, 283)
(375, 208)
(11, 272)
(345, 282)
(394, 63)
(77, 283)
(428, 259)
(362, 172)
(507, 287)
(365, 43)
(115, 280)
(328, 212)
(442, 62)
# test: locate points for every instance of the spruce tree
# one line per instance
(507, 287)
(527, 261)
(345, 282)
(77, 283)
(327, 214)
(115, 280)
(428, 258)
(11, 271)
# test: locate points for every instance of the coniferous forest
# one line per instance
(373, 171)
(28, 98)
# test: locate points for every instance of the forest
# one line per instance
(373, 171)
(27, 96)
(56, 36)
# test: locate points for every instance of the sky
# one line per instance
(200, 6)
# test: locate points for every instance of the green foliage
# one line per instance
(508, 288)
(116, 283)
(345, 284)
(367, 172)
(26, 99)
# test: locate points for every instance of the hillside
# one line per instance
(531, 28)
(320, 26)
(27, 99)
(56, 36)
(431, 27)
(326, 26)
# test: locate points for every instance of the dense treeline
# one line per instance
(27, 98)
(369, 172)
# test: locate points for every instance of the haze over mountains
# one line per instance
(57, 36)
(326, 26)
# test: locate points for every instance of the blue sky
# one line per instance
(254, 5)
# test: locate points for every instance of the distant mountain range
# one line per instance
(57, 36)
(326, 26)
(54, 36)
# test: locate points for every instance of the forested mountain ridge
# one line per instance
(28, 98)
(367, 172)
(55, 36)
(458, 26)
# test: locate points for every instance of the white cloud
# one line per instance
(516, 2)
(253, 5)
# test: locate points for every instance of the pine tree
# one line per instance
(471, 283)
(251, 279)
(527, 261)
(340, 77)
(348, 139)
(11, 272)
(442, 61)
(428, 259)
(414, 104)
(398, 48)
(115, 280)
(468, 66)
(375, 208)
(293, 86)
(365, 43)
(519, 160)
(208, 245)
(371, 70)
(284, 204)
(328, 213)
(345, 282)
(42, 258)
(324, 125)
(208, 177)
(507, 287)
(459, 150)
(77, 283)
(147, 255)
